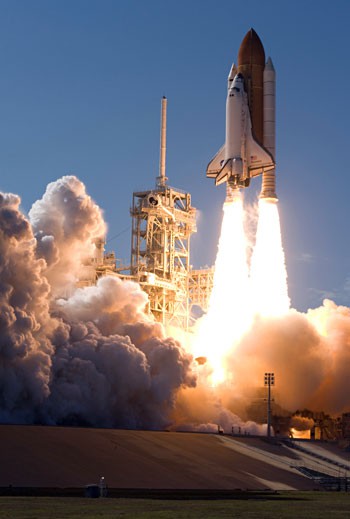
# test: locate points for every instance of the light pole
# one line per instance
(269, 380)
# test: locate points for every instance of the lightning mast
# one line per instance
(162, 179)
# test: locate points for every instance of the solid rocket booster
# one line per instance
(249, 148)
(268, 188)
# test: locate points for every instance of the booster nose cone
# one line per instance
(251, 51)
(233, 72)
(269, 66)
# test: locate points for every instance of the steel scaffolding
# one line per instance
(163, 221)
(162, 224)
(200, 286)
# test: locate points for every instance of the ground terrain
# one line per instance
(292, 505)
(63, 457)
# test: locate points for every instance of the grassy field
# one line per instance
(293, 505)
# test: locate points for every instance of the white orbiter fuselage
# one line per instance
(241, 157)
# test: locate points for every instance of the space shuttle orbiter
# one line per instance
(249, 147)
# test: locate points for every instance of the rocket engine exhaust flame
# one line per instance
(268, 274)
(228, 314)
(309, 353)
(238, 297)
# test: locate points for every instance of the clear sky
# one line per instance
(80, 89)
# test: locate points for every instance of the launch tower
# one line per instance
(163, 221)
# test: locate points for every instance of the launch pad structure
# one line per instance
(163, 221)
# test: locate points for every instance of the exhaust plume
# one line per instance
(228, 314)
(308, 353)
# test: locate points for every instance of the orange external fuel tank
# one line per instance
(251, 64)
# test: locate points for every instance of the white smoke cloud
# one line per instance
(66, 223)
(207, 409)
(95, 357)
(92, 358)
(25, 349)
(309, 355)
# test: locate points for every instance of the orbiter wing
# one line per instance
(225, 173)
(215, 166)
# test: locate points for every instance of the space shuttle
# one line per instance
(249, 148)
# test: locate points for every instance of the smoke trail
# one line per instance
(91, 358)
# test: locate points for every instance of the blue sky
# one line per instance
(80, 89)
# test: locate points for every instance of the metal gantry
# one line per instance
(201, 283)
(163, 221)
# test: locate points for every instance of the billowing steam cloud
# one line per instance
(309, 354)
(92, 358)
(310, 357)
(25, 322)
(66, 224)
